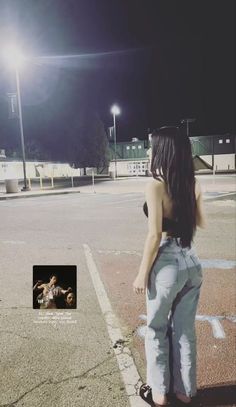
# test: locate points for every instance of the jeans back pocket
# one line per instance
(166, 270)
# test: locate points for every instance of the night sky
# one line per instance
(160, 61)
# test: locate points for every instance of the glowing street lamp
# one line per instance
(13, 57)
(15, 60)
(115, 110)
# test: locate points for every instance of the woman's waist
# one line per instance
(171, 244)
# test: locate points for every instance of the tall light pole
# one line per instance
(187, 121)
(115, 110)
(15, 60)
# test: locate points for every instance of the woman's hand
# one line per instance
(140, 284)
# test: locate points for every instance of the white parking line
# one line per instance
(123, 201)
(125, 361)
(214, 320)
(206, 263)
(13, 242)
(218, 195)
(217, 328)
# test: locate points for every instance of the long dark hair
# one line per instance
(172, 161)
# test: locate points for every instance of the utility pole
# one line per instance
(187, 121)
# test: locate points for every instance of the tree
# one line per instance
(87, 144)
(34, 151)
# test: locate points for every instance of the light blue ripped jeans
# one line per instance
(172, 297)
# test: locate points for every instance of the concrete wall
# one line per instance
(221, 161)
(139, 167)
(14, 170)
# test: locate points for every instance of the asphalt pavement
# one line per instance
(84, 363)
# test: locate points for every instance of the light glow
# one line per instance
(115, 110)
(13, 57)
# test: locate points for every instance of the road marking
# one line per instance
(118, 252)
(125, 361)
(214, 320)
(217, 264)
(124, 201)
(225, 202)
(206, 263)
(216, 195)
(217, 328)
(13, 242)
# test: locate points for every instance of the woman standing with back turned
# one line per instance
(170, 271)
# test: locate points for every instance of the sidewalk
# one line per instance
(211, 187)
(29, 194)
(98, 187)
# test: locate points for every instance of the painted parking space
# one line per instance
(206, 263)
(215, 321)
(218, 331)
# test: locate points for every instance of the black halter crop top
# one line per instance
(169, 225)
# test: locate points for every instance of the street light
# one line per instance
(15, 60)
(115, 110)
(187, 121)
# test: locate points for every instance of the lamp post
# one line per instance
(187, 121)
(15, 59)
(115, 110)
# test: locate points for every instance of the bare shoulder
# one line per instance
(154, 189)
(155, 185)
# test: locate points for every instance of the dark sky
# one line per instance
(160, 60)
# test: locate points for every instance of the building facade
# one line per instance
(132, 157)
(216, 150)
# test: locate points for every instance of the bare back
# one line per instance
(159, 194)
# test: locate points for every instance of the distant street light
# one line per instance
(15, 60)
(115, 110)
(187, 121)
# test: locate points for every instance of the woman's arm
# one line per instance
(38, 285)
(154, 195)
(69, 290)
(41, 286)
(201, 218)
